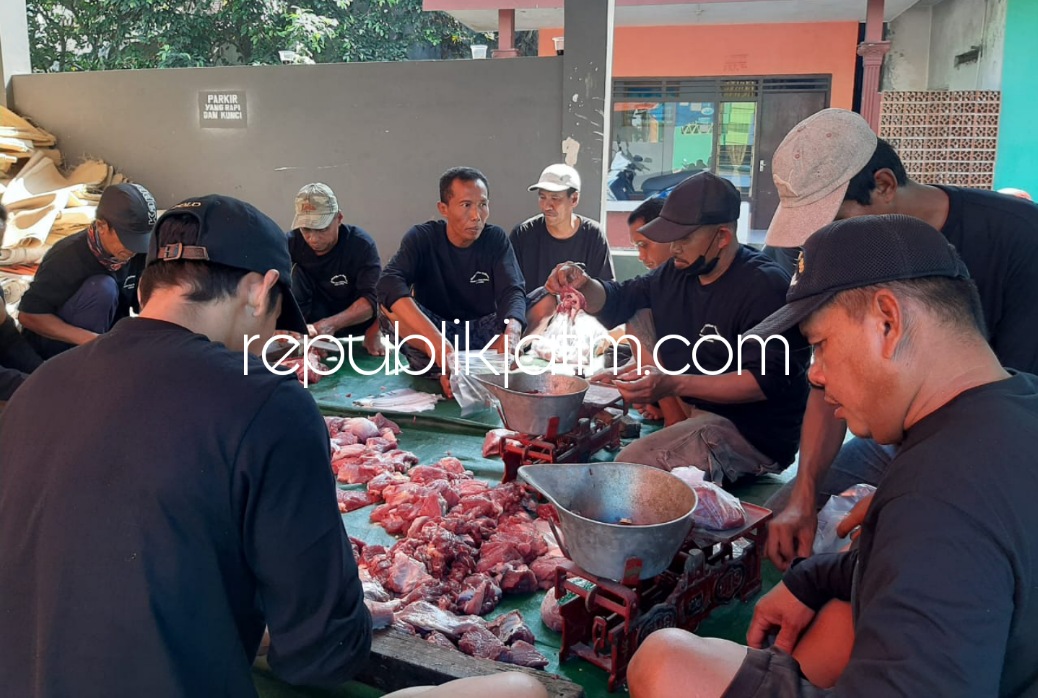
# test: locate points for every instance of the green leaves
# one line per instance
(74, 35)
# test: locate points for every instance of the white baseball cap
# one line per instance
(560, 177)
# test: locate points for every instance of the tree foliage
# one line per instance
(75, 35)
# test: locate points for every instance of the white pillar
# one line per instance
(14, 45)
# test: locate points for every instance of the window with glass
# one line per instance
(665, 131)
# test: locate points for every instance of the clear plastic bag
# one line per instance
(834, 511)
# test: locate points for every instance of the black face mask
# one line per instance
(701, 267)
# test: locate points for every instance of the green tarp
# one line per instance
(432, 435)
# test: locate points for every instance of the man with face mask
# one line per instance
(747, 397)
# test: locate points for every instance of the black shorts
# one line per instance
(770, 673)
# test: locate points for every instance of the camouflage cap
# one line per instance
(315, 207)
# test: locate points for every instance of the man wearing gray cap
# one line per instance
(747, 398)
(832, 166)
(89, 280)
(941, 583)
(335, 267)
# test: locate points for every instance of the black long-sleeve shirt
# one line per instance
(157, 510)
(466, 283)
(944, 585)
(337, 279)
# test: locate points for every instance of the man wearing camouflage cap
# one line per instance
(335, 267)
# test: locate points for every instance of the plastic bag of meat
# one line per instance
(551, 616)
(717, 509)
(494, 440)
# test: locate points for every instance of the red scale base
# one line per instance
(604, 621)
(596, 429)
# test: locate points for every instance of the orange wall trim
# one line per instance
(735, 49)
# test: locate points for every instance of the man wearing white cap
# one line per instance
(335, 267)
(832, 166)
(557, 235)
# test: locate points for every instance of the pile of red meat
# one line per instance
(465, 544)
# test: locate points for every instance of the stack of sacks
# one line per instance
(43, 203)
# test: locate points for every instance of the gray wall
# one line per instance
(958, 25)
(379, 134)
(906, 66)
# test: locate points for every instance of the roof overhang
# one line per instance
(482, 15)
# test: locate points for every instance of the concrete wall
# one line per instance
(1014, 166)
(958, 26)
(906, 66)
(380, 134)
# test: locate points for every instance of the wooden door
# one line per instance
(779, 113)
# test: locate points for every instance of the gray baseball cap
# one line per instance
(812, 168)
(316, 206)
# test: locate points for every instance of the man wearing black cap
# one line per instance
(747, 398)
(89, 280)
(941, 585)
(176, 500)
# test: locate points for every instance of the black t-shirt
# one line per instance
(997, 238)
(64, 269)
(538, 252)
(456, 282)
(158, 515)
(944, 585)
(750, 290)
(347, 272)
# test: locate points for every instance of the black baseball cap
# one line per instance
(859, 252)
(235, 234)
(130, 209)
(702, 199)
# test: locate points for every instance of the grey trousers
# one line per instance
(705, 440)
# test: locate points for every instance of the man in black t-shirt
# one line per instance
(941, 584)
(335, 267)
(89, 280)
(747, 397)
(460, 269)
(832, 166)
(160, 506)
(555, 236)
